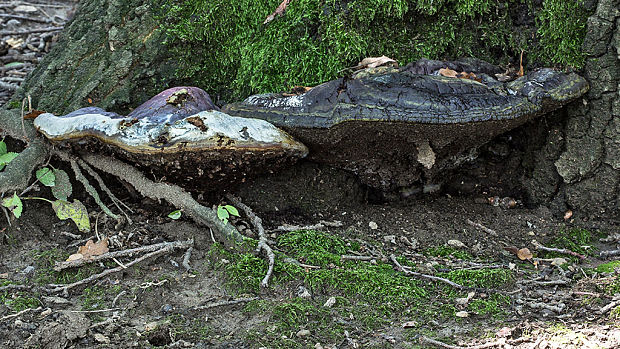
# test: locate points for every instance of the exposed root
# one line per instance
(262, 238)
(16, 176)
(172, 193)
(104, 187)
(89, 188)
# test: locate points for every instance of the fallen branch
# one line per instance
(59, 266)
(262, 238)
(172, 193)
(345, 257)
(66, 288)
(539, 246)
(609, 306)
(224, 303)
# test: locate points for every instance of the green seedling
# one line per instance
(224, 212)
(176, 214)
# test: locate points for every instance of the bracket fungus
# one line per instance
(179, 136)
(400, 126)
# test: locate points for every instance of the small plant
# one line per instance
(224, 212)
(61, 188)
(176, 214)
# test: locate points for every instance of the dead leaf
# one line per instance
(568, 214)
(524, 254)
(462, 313)
(33, 114)
(448, 72)
(92, 249)
(278, 12)
(373, 62)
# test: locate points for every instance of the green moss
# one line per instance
(576, 240)
(486, 278)
(45, 274)
(224, 47)
(189, 328)
(18, 301)
(561, 29)
(496, 306)
(313, 247)
(608, 267)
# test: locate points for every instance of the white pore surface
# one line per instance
(145, 132)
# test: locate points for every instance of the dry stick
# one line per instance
(223, 303)
(345, 257)
(7, 86)
(31, 31)
(66, 288)
(481, 227)
(26, 18)
(557, 250)
(262, 239)
(20, 313)
(400, 268)
(605, 254)
(437, 343)
(172, 193)
(59, 266)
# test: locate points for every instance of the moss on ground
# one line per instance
(224, 47)
(367, 295)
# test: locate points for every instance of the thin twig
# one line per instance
(345, 257)
(66, 288)
(612, 253)
(481, 227)
(539, 246)
(19, 313)
(30, 31)
(25, 18)
(59, 266)
(262, 238)
(400, 268)
(224, 303)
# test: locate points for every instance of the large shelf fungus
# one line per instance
(176, 139)
(399, 126)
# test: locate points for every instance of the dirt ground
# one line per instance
(541, 301)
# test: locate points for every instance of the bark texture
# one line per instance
(110, 55)
(589, 165)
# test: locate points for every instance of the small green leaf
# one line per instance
(232, 210)
(176, 214)
(14, 204)
(46, 176)
(75, 211)
(222, 214)
(12, 64)
(2, 148)
(63, 189)
(7, 157)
